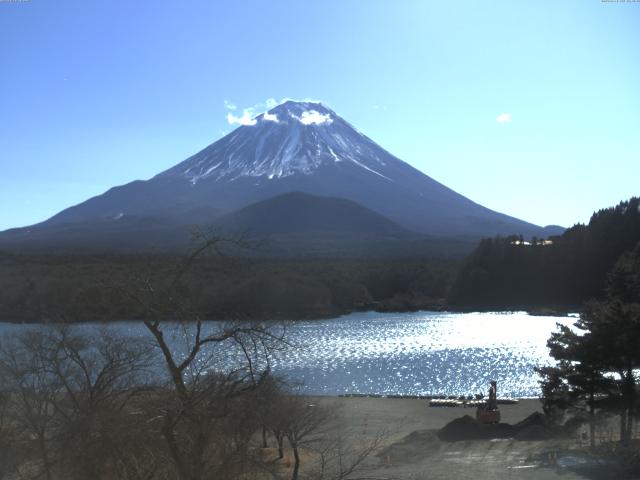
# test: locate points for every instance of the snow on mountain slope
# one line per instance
(295, 137)
(297, 147)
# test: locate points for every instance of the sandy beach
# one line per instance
(400, 417)
(413, 451)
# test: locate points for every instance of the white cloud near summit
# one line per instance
(270, 117)
(248, 114)
(503, 118)
(270, 103)
(312, 117)
(245, 119)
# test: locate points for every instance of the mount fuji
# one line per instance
(301, 147)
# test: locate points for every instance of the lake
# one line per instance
(421, 353)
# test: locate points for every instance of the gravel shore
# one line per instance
(413, 451)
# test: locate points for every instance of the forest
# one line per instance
(74, 288)
(594, 380)
(563, 272)
(557, 274)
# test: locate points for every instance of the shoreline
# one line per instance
(402, 416)
(393, 396)
(413, 449)
(541, 312)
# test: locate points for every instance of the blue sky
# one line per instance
(96, 94)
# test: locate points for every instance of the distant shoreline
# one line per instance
(535, 312)
(501, 400)
(567, 314)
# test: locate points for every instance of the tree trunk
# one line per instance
(45, 456)
(628, 398)
(296, 462)
(174, 449)
(631, 401)
(623, 424)
(280, 441)
(592, 425)
(264, 436)
(198, 452)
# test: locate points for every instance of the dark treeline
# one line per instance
(511, 273)
(595, 378)
(85, 288)
(502, 273)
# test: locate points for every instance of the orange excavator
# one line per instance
(488, 412)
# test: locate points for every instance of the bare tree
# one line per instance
(305, 424)
(318, 438)
(342, 454)
(205, 386)
(32, 393)
(266, 401)
(7, 432)
(68, 394)
(99, 376)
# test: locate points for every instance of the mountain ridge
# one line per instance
(295, 147)
(300, 213)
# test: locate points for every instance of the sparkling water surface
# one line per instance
(421, 353)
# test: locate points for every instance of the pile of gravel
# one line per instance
(533, 427)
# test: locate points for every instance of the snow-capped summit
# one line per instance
(295, 147)
(292, 138)
(311, 112)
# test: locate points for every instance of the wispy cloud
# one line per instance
(245, 119)
(270, 117)
(503, 118)
(270, 103)
(312, 117)
(249, 114)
